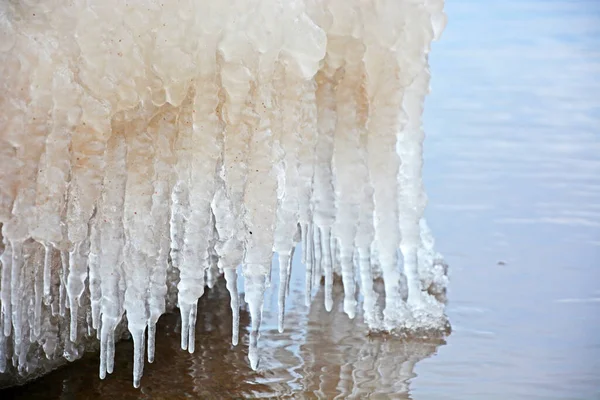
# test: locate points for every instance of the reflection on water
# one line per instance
(215, 370)
(320, 355)
(512, 172)
(326, 354)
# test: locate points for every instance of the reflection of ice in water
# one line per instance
(216, 369)
(327, 354)
(320, 353)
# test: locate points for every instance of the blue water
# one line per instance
(513, 177)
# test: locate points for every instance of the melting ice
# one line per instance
(147, 148)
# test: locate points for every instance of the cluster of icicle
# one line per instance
(147, 144)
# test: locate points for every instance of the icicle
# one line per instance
(16, 295)
(318, 268)
(309, 265)
(235, 79)
(75, 284)
(327, 267)
(141, 246)
(230, 254)
(47, 273)
(411, 195)
(364, 241)
(323, 196)
(110, 217)
(138, 334)
(261, 186)
(304, 233)
(151, 342)
(370, 297)
(110, 353)
(187, 324)
(55, 167)
(350, 125)
(198, 130)
(107, 346)
(179, 213)
(87, 161)
(51, 337)
(286, 147)
(3, 352)
(6, 260)
(38, 288)
(94, 273)
(163, 130)
(349, 287)
(255, 288)
(64, 271)
(285, 265)
(306, 159)
(231, 278)
(383, 124)
(21, 355)
(212, 273)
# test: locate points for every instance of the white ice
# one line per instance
(146, 148)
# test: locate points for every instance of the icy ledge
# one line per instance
(147, 147)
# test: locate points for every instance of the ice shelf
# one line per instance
(148, 147)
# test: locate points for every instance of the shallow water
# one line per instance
(513, 177)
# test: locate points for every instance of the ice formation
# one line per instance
(147, 147)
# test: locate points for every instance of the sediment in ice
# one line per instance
(147, 147)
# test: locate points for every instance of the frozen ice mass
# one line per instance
(148, 147)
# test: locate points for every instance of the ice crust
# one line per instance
(147, 147)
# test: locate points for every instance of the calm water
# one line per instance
(513, 177)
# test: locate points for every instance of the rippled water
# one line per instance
(513, 176)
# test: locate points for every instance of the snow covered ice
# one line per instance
(147, 147)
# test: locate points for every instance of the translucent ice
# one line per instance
(146, 148)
